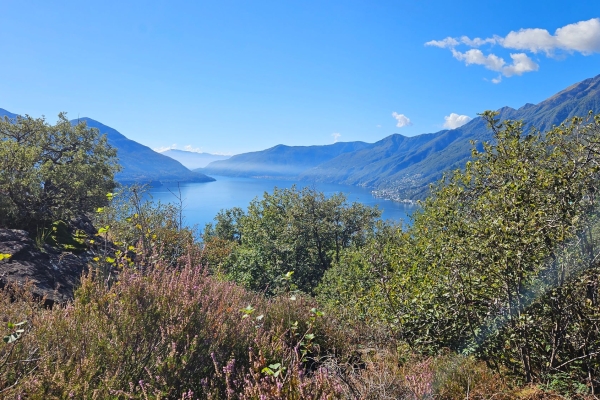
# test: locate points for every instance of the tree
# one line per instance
(51, 172)
(298, 233)
(501, 261)
(499, 236)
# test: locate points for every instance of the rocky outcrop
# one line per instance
(54, 274)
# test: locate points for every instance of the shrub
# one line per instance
(166, 334)
(290, 230)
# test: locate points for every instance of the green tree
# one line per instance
(499, 235)
(501, 261)
(295, 232)
(51, 172)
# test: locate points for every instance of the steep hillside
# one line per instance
(139, 163)
(403, 168)
(399, 166)
(142, 164)
(280, 161)
(4, 113)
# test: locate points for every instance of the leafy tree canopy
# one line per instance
(290, 234)
(51, 172)
(501, 261)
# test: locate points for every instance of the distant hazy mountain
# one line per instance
(139, 163)
(191, 159)
(280, 161)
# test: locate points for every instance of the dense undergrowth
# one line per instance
(491, 293)
(179, 333)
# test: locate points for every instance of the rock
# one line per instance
(54, 273)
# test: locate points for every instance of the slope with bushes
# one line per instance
(492, 292)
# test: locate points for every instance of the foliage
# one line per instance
(51, 172)
(501, 262)
(138, 233)
(290, 230)
(357, 284)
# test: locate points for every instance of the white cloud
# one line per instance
(521, 64)
(476, 56)
(165, 148)
(402, 119)
(454, 120)
(336, 137)
(448, 42)
(189, 147)
(378, 125)
(534, 40)
(477, 42)
(582, 37)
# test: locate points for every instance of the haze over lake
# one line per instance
(202, 201)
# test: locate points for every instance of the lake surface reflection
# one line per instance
(202, 201)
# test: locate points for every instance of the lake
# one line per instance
(202, 201)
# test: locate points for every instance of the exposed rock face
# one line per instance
(54, 274)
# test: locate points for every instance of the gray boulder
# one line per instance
(54, 274)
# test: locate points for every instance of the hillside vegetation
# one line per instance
(492, 292)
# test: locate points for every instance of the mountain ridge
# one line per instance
(280, 161)
(142, 164)
(402, 167)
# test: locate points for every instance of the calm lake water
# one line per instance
(202, 201)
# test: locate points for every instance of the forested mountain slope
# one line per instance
(398, 166)
(404, 166)
(141, 163)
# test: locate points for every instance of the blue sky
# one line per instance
(235, 76)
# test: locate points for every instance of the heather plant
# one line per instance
(166, 333)
(180, 333)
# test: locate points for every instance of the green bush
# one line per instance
(501, 261)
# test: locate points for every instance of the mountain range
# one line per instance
(139, 163)
(398, 166)
(192, 159)
(281, 161)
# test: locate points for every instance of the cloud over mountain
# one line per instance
(454, 120)
(402, 120)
